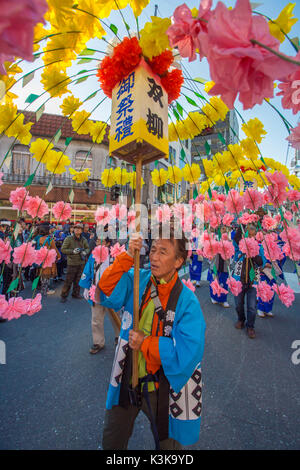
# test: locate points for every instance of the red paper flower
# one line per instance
(172, 83)
(162, 62)
(125, 59)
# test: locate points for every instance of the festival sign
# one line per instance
(139, 117)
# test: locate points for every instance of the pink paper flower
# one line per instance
(234, 202)
(62, 210)
(221, 197)
(252, 199)
(24, 254)
(131, 219)
(17, 22)
(294, 208)
(3, 305)
(200, 198)
(217, 289)
(293, 195)
(236, 64)
(100, 253)
(227, 219)
(226, 249)
(102, 215)
(215, 221)
(248, 218)
(19, 198)
(285, 294)
(289, 90)
(264, 291)
(163, 214)
(277, 192)
(92, 292)
(268, 223)
(235, 286)
(259, 236)
(292, 246)
(33, 306)
(288, 215)
(36, 207)
(189, 284)
(45, 256)
(249, 246)
(184, 31)
(116, 250)
(118, 212)
(15, 308)
(218, 208)
(5, 251)
(210, 248)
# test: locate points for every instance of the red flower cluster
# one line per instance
(125, 59)
(160, 63)
(172, 83)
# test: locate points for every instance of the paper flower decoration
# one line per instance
(235, 286)
(249, 246)
(285, 294)
(5, 252)
(24, 254)
(117, 249)
(62, 210)
(19, 199)
(264, 291)
(102, 216)
(45, 257)
(100, 253)
(189, 284)
(36, 207)
(33, 306)
(217, 289)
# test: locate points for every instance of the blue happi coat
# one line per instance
(180, 354)
(87, 276)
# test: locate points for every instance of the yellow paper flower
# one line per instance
(295, 182)
(132, 180)
(159, 177)
(174, 174)
(138, 6)
(153, 37)
(173, 136)
(284, 22)
(250, 148)
(191, 173)
(54, 81)
(108, 178)
(121, 176)
(254, 129)
(97, 131)
(208, 86)
(8, 113)
(204, 187)
(19, 130)
(219, 180)
(80, 176)
(40, 150)
(57, 162)
(70, 105)
(208, 167)
(80, 122)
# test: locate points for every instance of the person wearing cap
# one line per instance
(76, 248)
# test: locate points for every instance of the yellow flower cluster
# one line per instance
(80, 176)
(12, 123)
(7, 81)
(42, 151)
(82, 125)
(112, 176)
(191, 173)
(55, 81)
(196, 122)
(159, 177)
(284, 22)
(254, 129)
(153, 37)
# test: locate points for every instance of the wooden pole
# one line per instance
(115, 317)
(136, 278)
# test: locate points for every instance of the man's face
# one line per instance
(163, 259)
(77, 232)
(86, 228)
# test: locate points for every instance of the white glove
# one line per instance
(76, 251)
(86, 294)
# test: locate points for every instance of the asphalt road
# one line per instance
(52, 391)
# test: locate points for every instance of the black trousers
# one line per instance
(72, 277)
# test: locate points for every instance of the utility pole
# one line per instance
(155, 10)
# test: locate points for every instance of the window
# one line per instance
(20, 164)
(83, 160)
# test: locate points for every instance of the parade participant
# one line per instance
(242, 268)
(91, 275)
(76, 248)
(170, 342)
(46, 274)
(222, 275)
(195, 267)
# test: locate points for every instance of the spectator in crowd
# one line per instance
(76, 248)
(46, 239)
(86, 232)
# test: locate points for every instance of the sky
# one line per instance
(273, 146)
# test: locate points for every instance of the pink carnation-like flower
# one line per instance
(221, 197)
(289, 89)
(131, 219)
(102, 215)
(259, 236)
(236, 64)
(248, 218)
(36, 207)
(5, 251)
(19, 199)
(200, 198)
(33, 305)
(268, 223)
(217, 289)
(163, 213)
(3, 305)
(285, 294)
(100, 253)
(15, 308)
(210, 248)
(292, 246)
(215, 221)
(24, 254)
(118, 211)
(92, 292)
(17, 22)
(234, 202)
(189, 284)
(253, 199)
(293, 195)
(226, 249)
(235, 286)
(277, 193)
(62, 210)
(249, 246)
(184, 31)
(288, 215)
(45, 256)
(218, 208)
(117, 249)
(264, 291)
(294, 208)
(227, 219)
